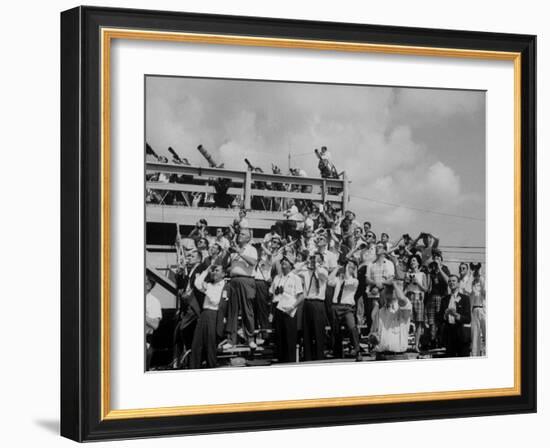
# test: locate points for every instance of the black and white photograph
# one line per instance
(295, 223)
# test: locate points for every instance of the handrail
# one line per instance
(240, 175)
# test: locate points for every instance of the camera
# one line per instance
(433, 267)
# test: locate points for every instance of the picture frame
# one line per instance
(86, 37)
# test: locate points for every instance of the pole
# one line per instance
(345, 193)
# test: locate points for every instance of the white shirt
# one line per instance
(455, 298)
(315, 289)
(263, 270)
(153, 310)
(391, 326)
(380, 272)
(326, 156)
(291, 284)
(292, 213)
(241, 267)
(223, 242)
(368, 255)
(330, 260)
(212, 291)
(350, 287)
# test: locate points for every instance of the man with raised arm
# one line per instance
(212, 284)
(242, 289)
(390, 327)
(344, 280)
(315, 317)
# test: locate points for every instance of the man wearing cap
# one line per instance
(242, 289)
(287, 292)
(344, 281)
(315, 317)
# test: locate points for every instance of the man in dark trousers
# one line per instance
(212, 284)
(242, 289)
(315, 317)
(189, 307)
(455, 317)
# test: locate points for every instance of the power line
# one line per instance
(418, 209)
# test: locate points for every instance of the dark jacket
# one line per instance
(462, 308)
(190, 305)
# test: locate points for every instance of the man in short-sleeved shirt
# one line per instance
(242, 289)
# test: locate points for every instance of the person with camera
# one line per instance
(200, 230)
(415, 287)
(221, 239)
(287, 292)
(314, 313)
(455, 317)
(379, 275)
(438, 275)
(390, 328)
(212, 284)
(190, 301)
(242, 289)
(345, 283)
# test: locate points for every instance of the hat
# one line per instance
(290, 258)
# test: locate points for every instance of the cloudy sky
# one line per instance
(416, 149)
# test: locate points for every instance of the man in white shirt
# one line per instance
(379, 275)
(211, 282)
(455, 317)
(315, 318)
(153, 316)
(242, 289)
(330, 259)
(344, 281)
(221, 239)
(293, 217)
(390, 329)
(287, 292)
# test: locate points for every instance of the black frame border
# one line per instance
(81, 223)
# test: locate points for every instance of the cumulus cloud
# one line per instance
(382, 137)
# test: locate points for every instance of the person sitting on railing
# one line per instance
(294, 220)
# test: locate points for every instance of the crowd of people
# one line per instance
(317, 278)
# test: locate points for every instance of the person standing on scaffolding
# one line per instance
(242, 289)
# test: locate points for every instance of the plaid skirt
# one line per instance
(433, 307)
(417, 302)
